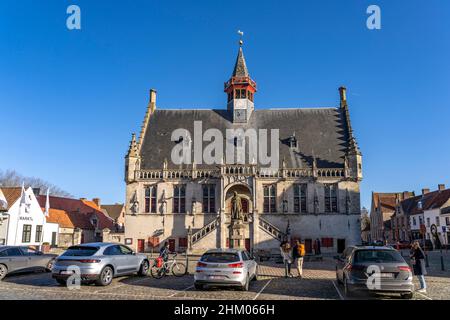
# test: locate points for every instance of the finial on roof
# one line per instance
(241, 33)
(132, 150)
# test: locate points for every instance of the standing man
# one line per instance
(318, 245)
(298, 252)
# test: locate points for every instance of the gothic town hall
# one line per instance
(313, 193)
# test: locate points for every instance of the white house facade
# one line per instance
(24, 222)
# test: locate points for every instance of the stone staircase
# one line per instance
(272, 230)
(199, 234)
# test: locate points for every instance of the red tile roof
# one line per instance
(79, 211)
(431, 200)
(60, 217)
(388, 201)
(11, 194)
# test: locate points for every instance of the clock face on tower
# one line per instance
(240, 115)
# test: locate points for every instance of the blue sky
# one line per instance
(69, 100)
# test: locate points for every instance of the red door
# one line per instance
(141, 245)
(172, 245)
(308, 245)
(247, 244)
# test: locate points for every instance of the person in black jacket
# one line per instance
(418, 261)
(164, 252)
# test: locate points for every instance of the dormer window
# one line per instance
(292, 142)
(94, 222)
(419, 205)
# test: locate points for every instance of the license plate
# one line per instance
(386, 275)
(216, 277)
(66, 272)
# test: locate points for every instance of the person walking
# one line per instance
(286, 253)
(298, 253)
(318, 245)
(418, 262)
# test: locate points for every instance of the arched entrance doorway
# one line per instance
(247, 207)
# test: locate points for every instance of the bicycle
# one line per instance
(178, 269)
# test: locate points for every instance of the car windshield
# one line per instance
(220, 257)
(80, 251)
(379, 256)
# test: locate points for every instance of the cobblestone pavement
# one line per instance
(318, 283)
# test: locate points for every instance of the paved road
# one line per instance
(318, 283)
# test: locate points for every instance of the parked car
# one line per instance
(14, 259)
(99, 262)
(225, 267)
(355, 264)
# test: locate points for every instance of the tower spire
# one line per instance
(240, 88)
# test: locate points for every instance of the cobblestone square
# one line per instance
(318, 283)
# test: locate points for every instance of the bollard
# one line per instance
(285, 269)
(442, 262)
(187, 264)
(426, 261)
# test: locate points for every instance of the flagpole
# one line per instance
(46, 214)
(22, 194)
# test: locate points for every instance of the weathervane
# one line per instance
(241, 33)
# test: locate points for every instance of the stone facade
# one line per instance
(336, 164)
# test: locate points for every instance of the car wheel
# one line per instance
(61, 282)
(49, 265)
(246, 285)
(347, 291)
(106, 276)
(407, 295)
(198, 286)
(255, 277)
(337, 278)
(143, 270)
(3, 271)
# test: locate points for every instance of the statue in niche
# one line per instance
(236, 207)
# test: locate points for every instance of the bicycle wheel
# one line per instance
(179, 269)
(157, 273)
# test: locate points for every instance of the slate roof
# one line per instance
(321, 133)
(240, 68)
(112, 210)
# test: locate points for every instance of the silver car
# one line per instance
(22, 259)
(99, 262)
(379, 269)
(225, 267)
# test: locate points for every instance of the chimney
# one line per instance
(425, 191)
(97, 202)
(152, 96)
(405, 195)
(37, 191)
(343, 95)
(441, 187)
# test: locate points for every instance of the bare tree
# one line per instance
(11, 178)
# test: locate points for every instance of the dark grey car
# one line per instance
(23, 259)
(374, 269)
